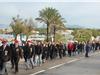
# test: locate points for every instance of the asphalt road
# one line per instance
(84, 66)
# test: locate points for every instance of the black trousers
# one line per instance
(86, 54)
(69, 52)
(14, 62)
(60, 54)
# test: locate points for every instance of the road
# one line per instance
(84, 66)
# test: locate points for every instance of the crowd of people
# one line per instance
(37, 53)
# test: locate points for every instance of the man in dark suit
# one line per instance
(12, 46)
(60, 50)
(4, 57)
(39, 52)
(48, 51)
(28, 50)
(87, 48)
(17, 54)
(51, 49)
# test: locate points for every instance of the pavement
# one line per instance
(65, 66)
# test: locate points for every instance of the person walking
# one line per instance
(87, 48)
(60, 50)
(38, 54)
(17, 54)
(4, 57)
(74, 49)
(44, 53)
(28, 54)
(12, 45)
(48, 51)
(70, 48)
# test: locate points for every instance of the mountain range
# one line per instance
(75, 26)
(2, 26)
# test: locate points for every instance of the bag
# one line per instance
(1, 54)
(1, 59)
(4, 57)
(1, 64)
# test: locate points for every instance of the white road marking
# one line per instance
(38, 72)
(72, 60)
(57, 66)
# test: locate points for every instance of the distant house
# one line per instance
(98, 38)
(66, 33)
(7, 36)
(35, 36)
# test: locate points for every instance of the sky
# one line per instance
(76, 12)
(49, 0)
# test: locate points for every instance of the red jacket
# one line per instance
(70, 46)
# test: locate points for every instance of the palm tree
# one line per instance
(28, 27)
(17, 26)
(58, 25)
(50, 16)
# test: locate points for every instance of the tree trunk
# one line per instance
(21, 37)
(26, 38)
(16, 36)
(54, 32)
(47, 31)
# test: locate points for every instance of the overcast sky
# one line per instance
(75, 12)
(49, 0)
